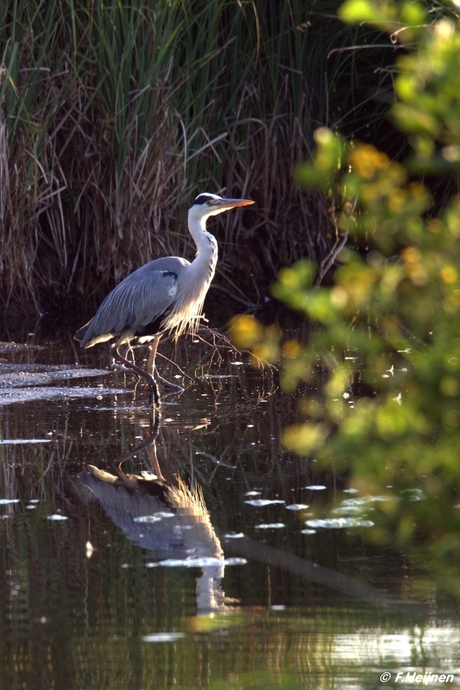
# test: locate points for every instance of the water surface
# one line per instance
(190, 549)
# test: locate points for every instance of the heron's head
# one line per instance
(206, 205)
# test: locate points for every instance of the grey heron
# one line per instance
(166, 294)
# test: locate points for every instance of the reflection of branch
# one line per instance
(175, 364)
(216, 336)
(212, 339)
(327, 262)
(227, 343)
(330, 258)
(311, 571)
(337, 247)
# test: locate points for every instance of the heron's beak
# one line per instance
(225, 204)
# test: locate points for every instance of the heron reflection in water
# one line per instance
(165, 295)
(167, 518)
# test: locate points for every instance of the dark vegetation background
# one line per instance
(113, 116)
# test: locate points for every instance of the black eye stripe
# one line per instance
(204, 198)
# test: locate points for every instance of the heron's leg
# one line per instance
(150, 368)
(153, 386)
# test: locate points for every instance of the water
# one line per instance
(210, 557)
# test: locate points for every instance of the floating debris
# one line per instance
(348, 510)
(235, 561)
(20, 441)
(271, 525)
(355, 502)
(163, 637)
(19, 394)
(339, 523)
(203, 562)
(413, 494)
(56, 517)
(8, 347)
(261, 502)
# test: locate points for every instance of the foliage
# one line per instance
(386, 333)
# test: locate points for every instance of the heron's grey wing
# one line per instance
(140, 299)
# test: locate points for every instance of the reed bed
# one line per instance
(113, 116)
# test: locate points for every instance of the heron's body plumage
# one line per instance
(142, 300)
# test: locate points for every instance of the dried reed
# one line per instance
(113, 116)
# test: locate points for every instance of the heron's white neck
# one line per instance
(206, 245)
(193, 283)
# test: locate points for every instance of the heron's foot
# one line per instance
(118, 367)
(171, 387)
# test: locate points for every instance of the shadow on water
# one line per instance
(192, 551)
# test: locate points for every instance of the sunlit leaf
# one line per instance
(305, 438)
